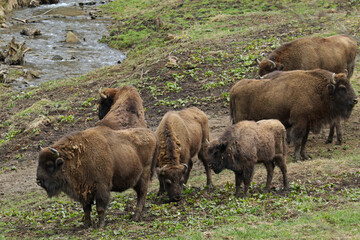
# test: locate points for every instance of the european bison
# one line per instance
(335, 54)
(247, 143)
(182, 135)
(89, 164)
(335, 124)
(121, 108)
(302, 100)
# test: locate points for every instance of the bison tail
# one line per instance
(154, 159)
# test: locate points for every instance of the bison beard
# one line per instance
(247, 143)
(302, 100)
(88, 165)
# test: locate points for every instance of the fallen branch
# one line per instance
(27, 20)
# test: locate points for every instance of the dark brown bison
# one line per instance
(88, 165)
(335, 54)
(302, 100)
(247, 143)
(121, 108)
(182, 135)
(336, 124)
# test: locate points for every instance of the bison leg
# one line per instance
(270, 172)
(331, 134)
(102, 200)
(247, 177)
(204, 160)
(141, 190)
(187, 174)
(280, 161)
(299, 135)
(238, 180)
(338, 133)
(87, 217)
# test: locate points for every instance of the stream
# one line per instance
(51, 56)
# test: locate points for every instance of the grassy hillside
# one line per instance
(185, 53)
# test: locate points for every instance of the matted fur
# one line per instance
(182, 135)
(247, 143)
(93, 162)
(302, 100)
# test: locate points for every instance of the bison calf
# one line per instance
(246, 143)
(88, 165)
(182, 135)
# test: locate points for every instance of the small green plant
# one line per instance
(67, 119)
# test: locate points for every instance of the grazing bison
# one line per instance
(302, 100)
(88, 165)
(182, 135)
(335, 54)
(121, 108)
(246, 143)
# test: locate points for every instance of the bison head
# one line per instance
(173, 179)
(49, 174)
(343, 94)
(266, 66)
(216, 154)
(105, 102)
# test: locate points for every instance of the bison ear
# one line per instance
(331, 88)
(59, 162)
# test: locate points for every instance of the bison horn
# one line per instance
(273, 63)
(333, 79)
(346, 72)
(54, 151)
(102, 95)
(185, 165)
(258, 61)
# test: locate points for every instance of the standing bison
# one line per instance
(247, 143)
(335, 54)
(121, 108)
(88, 165)
(302, 100)
(182, 135)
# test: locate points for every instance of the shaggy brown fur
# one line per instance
(247, 143)
(336, 54)
(88, 165)
(336, 124)
(302, 100)
(182, 135)
(121, 108)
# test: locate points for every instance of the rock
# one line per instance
(72, 38)
(30, 32)
(30, 74)
(57, 58)
(34, 3)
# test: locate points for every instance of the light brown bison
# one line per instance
(335, 54)
(88, 165)
(182, 135)
(247, 143)
(302, 100)
(121, 108)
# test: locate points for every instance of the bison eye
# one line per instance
(342, 89)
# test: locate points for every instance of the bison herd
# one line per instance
(306, 85)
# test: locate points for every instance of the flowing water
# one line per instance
(51, 56)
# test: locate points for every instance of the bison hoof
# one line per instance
(338, 142)
(136, 217)
(328, 141)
